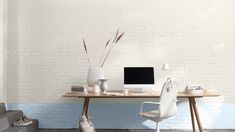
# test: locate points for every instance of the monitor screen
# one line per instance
(138, 75)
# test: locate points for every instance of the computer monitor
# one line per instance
(138, 77)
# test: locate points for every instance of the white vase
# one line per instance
(93, 76)
(103, 85)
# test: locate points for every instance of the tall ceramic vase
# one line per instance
(93, 78)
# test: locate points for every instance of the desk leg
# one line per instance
(192, 114)
(197, 115)
(85, 109)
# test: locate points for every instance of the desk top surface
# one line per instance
(119, 94)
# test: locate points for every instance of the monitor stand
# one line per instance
(136, 90)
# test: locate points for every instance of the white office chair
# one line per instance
(166, 106)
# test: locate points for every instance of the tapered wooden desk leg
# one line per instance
(192, 114)
(197, 115)
(85, 109)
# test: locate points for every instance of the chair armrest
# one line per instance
(147, 102)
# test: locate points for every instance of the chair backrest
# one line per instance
(168, 106)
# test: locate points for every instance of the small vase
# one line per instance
(103, 85)
(93, 76)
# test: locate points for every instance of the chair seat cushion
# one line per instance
(150, 114)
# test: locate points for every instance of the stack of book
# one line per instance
(78, 88)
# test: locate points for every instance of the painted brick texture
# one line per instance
(2, 90)
(46, 55)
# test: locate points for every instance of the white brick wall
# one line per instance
(2, 51)
(46, 56)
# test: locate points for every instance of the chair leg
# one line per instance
(157, 127)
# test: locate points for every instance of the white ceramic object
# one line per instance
(165, 67)
(125, 92)
(103, 85)
(93, 76)
(96, 89)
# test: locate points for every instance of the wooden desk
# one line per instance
(192, 103)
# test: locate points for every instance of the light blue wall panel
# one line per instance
(124, 115)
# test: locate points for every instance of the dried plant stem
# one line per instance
(116, 39)
(88, 59)
(120, 36)
(84, 44)
(107, 55)
(113, 43)
(107, 43)
(116, 36)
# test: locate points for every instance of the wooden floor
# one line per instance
(108, 130)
